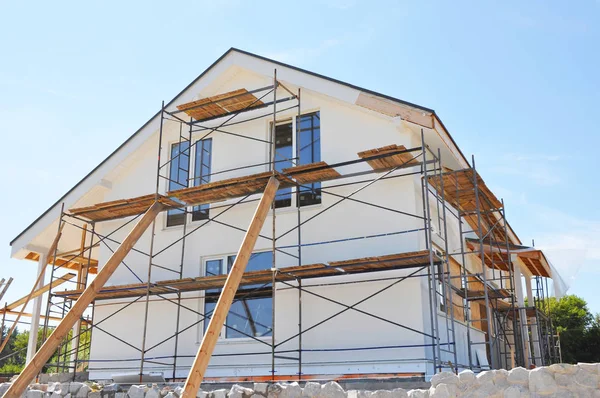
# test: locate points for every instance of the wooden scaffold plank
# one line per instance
(74, 314)
(215, 325)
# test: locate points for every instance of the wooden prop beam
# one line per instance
(86, 298)
(28, 315)
(52, 249)
(40, 291)
(6, 285)
(192, 384)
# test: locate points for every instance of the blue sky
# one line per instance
(515, 82)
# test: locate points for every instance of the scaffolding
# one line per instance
(472, 285)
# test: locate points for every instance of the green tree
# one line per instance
(579, 330)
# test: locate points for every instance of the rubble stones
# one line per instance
(559, 380)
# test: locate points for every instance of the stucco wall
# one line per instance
(345, 130)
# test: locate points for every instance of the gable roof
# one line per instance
(206, 71)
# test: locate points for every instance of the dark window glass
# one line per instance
(251, 314)
(178, 178)
(284, 153)
(213, 267)
(202, 170)
(309, 143)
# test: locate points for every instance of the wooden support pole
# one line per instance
(38, 280)
(86, 298)
(6, 285)
(192, 384)
(40, 291)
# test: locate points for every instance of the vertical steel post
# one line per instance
(274, 243)
(448, 266)
(491, 331)
(298, 216)
(435, 345)
(185, 223)
(152, 233)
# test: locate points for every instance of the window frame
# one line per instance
(191, 179)
(224, 258)
(294, 121)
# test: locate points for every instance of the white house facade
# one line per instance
(402, 275)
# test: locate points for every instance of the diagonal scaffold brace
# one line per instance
(192, 384)
(86, 298)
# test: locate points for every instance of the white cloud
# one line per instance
(570, 243)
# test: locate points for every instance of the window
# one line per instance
(251, 313)
(202, 169)
(309, 142)
(178, 178)
(284, 152)
(308, 148)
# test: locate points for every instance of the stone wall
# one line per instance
(559, 380)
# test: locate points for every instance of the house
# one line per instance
(385, 254)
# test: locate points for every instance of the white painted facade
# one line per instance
(350, 343)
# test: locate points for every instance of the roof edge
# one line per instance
(229, 51)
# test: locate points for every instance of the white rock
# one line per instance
(516, 391)
(83, 391)
(74, 387)
(332, 390)
(563, 368)
(201, 394)
(65, 388)
(136, 391)
(588, 367)
(445, 378)
(485, 377)
(563, 379)
(381, 394)
(52, 387)
(153, 392)
(541, 382)
(466, 378)
(586, 379)
(261, 388)
(418, 393)
(238, 391)
(291, 390)
(35, 394)
(363, 393)
(444, 391)
(222, 393)
(39, 387)
(93, 394)
(256, 396)
(3, 388)
(518, 376)
(399, 393)
(311, 389)
(170, 394)
(55, 394)
(274, 390)
(564, 392)
(178, 391)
